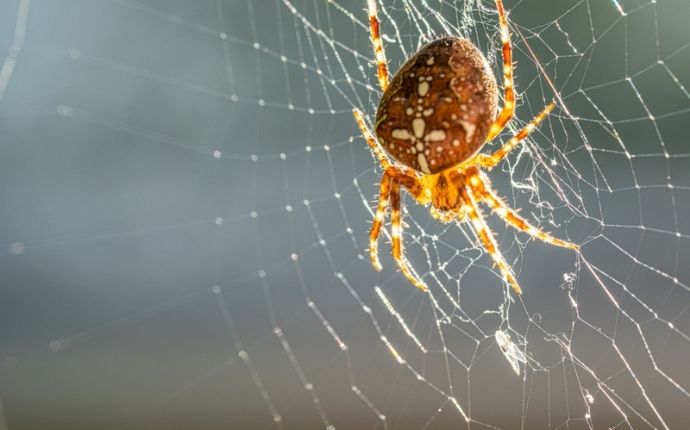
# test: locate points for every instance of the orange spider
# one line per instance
(437, 113)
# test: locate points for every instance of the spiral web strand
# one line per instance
(314, 338)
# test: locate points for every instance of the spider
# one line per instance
(434, 117)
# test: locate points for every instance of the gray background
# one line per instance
(136, 266)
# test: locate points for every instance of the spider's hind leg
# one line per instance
(370, 138)
(379, 51)
(508, 82)
(490, 161)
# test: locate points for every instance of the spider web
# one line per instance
(186, 202)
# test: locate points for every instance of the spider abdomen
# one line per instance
(439, 107)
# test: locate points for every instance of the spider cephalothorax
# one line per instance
(438, 111)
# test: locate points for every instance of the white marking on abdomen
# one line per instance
(400, 133)
(423, 88)
(421, 160)
(418, 126)
(469, 130)
(435, 136)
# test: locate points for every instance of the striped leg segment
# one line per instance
(482, 189)
(486, 237)
(379, 218)
(381, 64)
(414, 186)
(396, 232)
(508, 84)
(490, 161)
(369, 137)
(445, 217)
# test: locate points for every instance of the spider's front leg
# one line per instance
(396, 233)
(483, 232)
(481, 187)
(391, 182)
(379, 218)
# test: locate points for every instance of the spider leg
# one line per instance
(444, 217)
(413, 185)
(396, 232)
(369, 137)
(390, 189)
(481, 187)
(486, 237)
(379, 51)
(379, 218)
(490, 161)
(508, 84)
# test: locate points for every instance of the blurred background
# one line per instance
(185, 202)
